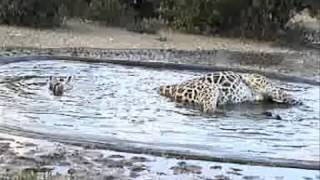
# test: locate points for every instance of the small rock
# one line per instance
(139, 159)
(186, 169)
(216, 167)
(251, 177)
(64, 163)
(115, 164)
(162, 39)
(234, 173)
(109, 177)
(267, 113)
(236, 169)
(126, 163)
(161, 173)
(86, 162)
(116, 156)
(28, 144)
(279, 178)
(307, 178)
(138, 168)
(39, 169)
(71, 171)
(182, 163)
(222, 177)
(278, 117)
(134, 175)
(4, 147)
(270, 114)
(6, 139)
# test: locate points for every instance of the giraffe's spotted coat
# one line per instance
(227, 87)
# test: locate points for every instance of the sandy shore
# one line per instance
(76, 34)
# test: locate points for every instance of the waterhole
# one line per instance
(118, 102)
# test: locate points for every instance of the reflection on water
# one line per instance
(122, 102)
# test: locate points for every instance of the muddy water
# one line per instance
(118, 102)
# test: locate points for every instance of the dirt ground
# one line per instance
(79, 34)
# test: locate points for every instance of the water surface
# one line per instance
(113, 101)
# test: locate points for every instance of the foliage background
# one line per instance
(248, 18)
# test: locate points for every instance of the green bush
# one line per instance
(77, 8)
(251, 18)
(110, 12)
(200, 15)
(181, 14)
(35, 13)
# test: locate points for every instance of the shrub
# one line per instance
(77, 8)
(35, 13)
(199, 15)
(249, 18)
(146, 25)
(110, 12)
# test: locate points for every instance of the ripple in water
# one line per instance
(122, 102)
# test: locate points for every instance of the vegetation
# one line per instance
(110, 12)
(249, 18)
(34, 13)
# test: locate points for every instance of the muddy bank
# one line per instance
(300, 67)
(29, 158)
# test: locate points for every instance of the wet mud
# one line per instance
(26, 158)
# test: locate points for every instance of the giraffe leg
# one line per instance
(208, 98)
(52, 82)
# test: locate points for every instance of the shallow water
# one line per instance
(112, 101)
